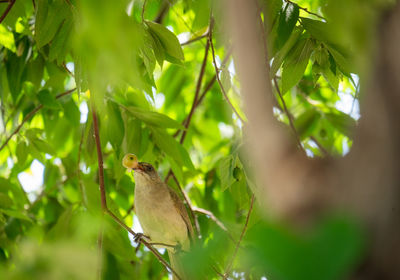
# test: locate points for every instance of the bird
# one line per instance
(161, 214)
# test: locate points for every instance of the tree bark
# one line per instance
(365, 183)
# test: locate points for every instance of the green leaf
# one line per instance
(153, 118)
(226, 79)
(16, 214)
(282, 53)
(22, 152)
(167, 39)
(171, 147)
(5, 201)
(287, 21)
(306, 123)
(342, 59)
(49, 17)
(48, 100)
(226, 167)
(61, 42)
(342, 122)
(7, 39)
(295, 64)
(201, 10)
(114, 125)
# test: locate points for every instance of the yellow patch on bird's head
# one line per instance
(130, 161)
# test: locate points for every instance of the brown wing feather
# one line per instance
(182, 210)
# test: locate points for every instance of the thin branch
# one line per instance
(305, 9)
(229, 267)
(186, 124)
(129, 211)
(143, 9)
(162, 13)
(194, 39)
(104, 201)
(217, 76)
(214, 219)
(30, 115)
(322, 149)
(289, 115)
(198, 87)
(99, 159)
(7, 10)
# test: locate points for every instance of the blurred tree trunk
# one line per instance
(365, 183)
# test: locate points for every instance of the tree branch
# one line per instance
(229, 266)
(289, 115)
(104, 201)
(217, 75)
(194, 39)
(198, 87)
(7, 10)
(305, 9)
(30, 115)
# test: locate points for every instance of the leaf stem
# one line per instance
(7, 10)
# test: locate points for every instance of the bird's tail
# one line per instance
(177, 265)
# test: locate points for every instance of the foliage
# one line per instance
(141, 80)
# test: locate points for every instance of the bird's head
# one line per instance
(143, 170)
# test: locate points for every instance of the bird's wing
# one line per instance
(183, 212)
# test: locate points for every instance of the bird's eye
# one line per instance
(131, 158)
(150, 168)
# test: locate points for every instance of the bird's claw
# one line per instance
(139, 237)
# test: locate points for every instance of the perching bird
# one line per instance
(161, 213)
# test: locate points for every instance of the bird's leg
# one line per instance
(139, 237)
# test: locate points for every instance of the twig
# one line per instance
(143, 9)
(305, 9)
(7, 10)
(322, 149)
(198, 87)
(213, 218)
(104, 201)
(30, 115)
(163, 11)
(217, 76)
(99, 159)
(129, 211)
(194, 39)
(289, 115)
(229, 267)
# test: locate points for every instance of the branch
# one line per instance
(163, 11)
(7, 10)
(217, 75)
(305, 9)
(198, 87)
(104, 201)
(215, 219)
(194, 39)
(289, 115)
(143, 9)
(229, 267)
(30, 115)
